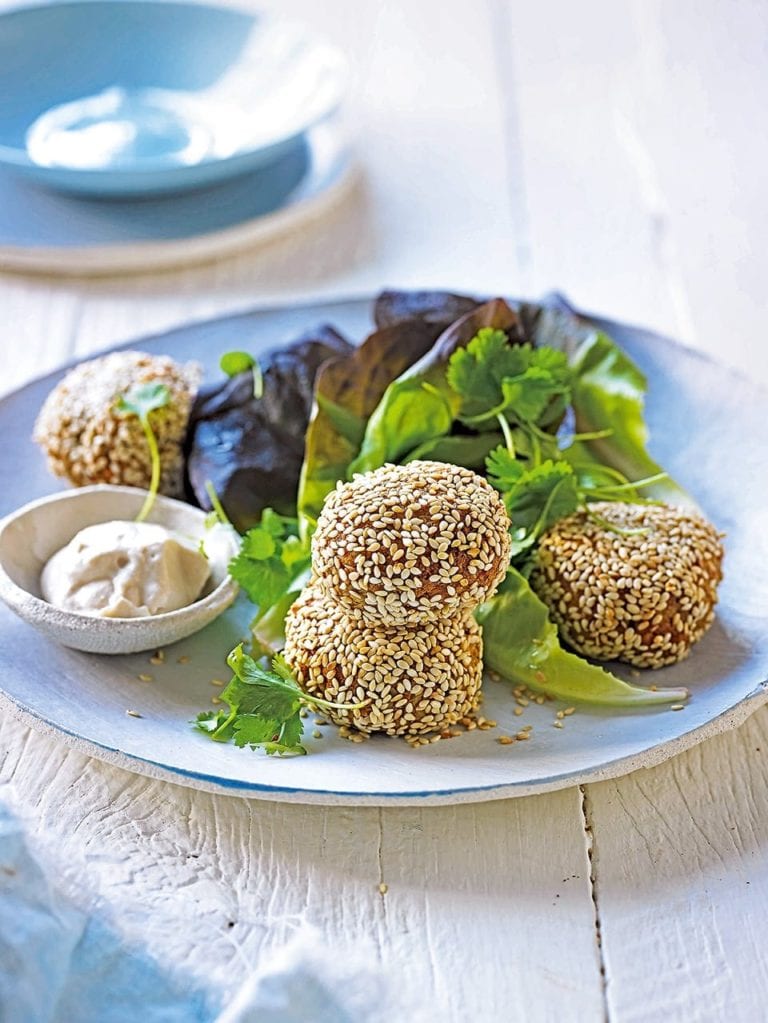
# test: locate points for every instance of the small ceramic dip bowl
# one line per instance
(31, 535)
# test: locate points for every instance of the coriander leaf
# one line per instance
(271, 561)
(521, 382)
(525, 397)
(258, 544)
(261, 691)
(264, 582)
(281, 667)
(503, 469)
(475, 372)
(542, 495)
(290, 736)
(253, 730)
(216, 724)
(276, 525)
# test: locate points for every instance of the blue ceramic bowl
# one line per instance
(138, 97)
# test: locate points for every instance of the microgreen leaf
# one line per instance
(233, 363)
(141, 400)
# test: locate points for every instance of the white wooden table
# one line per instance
(616, 152)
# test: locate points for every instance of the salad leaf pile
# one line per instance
(547, 408)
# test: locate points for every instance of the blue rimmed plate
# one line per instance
(708, 428)
(46, 232)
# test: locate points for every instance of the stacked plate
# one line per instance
(179, 131)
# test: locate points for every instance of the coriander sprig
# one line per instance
(264, 707)
(141, 400)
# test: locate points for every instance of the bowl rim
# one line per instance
(224, 590)
(18, 157)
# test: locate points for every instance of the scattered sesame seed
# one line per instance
(518, 711)
(215, 700)
(134, 714)
(383, 888)
(216, 682)
(183, 659)
(677, 706)
(146, 678)
(317, 734)
(505, 740)
(568, 711)
(557, 724)
(523, 735)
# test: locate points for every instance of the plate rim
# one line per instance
(141, 257)
(653, 756)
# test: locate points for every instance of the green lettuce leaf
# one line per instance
(347, 391)
(420, 405)
(608, 394)
(522, 645)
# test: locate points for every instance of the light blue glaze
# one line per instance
(138, 97)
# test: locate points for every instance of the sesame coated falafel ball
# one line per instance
(418, 679)
(409, 543)
(643, 591)
(87, 441)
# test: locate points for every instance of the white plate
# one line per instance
(709, 429)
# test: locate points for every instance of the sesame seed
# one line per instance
(86, 441)
(505, 740)
(643, 597)
(145, 678)
(134, 714)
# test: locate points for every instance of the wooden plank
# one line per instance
(681, 857)
(636, 126)
(487, 913)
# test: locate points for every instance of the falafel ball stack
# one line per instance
(401, 557)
